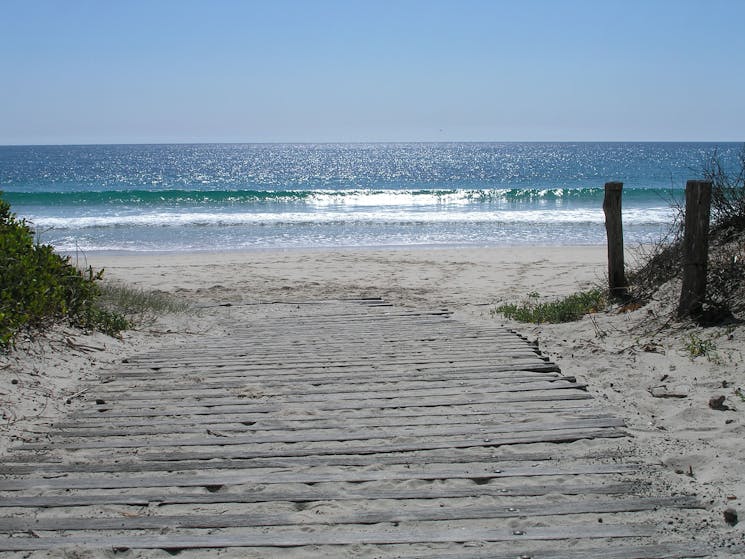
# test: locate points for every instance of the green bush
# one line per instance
(38, 286)
(568, 309)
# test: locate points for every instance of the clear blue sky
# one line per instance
(101, 71)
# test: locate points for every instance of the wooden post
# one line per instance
(617, 283)
(695, 248)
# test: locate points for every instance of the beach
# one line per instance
(461, 277)
(275, 280)
(638, 365)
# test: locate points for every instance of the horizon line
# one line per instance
(373, 142)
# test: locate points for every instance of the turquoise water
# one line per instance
(239, 196)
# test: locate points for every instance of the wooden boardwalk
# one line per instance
(347, 428)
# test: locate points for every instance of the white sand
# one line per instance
(628, 359)
(456, 277)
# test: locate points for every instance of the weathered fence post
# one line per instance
(617, 283)
(695, 248)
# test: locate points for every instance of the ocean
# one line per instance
(217, 197)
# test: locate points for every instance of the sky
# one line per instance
(154, 71)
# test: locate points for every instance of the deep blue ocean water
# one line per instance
(245, 196)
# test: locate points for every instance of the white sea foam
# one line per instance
(434, 197)
(391, 215)
(388, 198)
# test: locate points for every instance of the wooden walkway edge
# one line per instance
(337, 429)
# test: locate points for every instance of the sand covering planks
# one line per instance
(444, 473)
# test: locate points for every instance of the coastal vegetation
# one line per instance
(696, 346)
(661, 266)
(141, 307)
(39, 287)
(567, 309)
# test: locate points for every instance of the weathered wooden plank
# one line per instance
(293, 354)
(382, 331)
(351, 359)
(479, 471)
(434, 351)
(341, 335)
(321, 435)
(433, 370)
(307, 394)
(412, 444)
(437, 348)
(417, 457)
(289, 437)
(370, 447)
(355, 345)
(407, 511)
(360, 346)
(338, 338)
(315, 387)
(298, 424)
(393, 402)
(303, 374)
(227, 382)
(235, 372)
(312, 397)
(688, 550)
(338, 364)
(263, 422)
(437, 413)
(334, 492)
(243, 424)
(278, 342)
(151, 390)
(434, 532)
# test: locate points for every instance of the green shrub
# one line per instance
(567, 309)
(38, 286)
